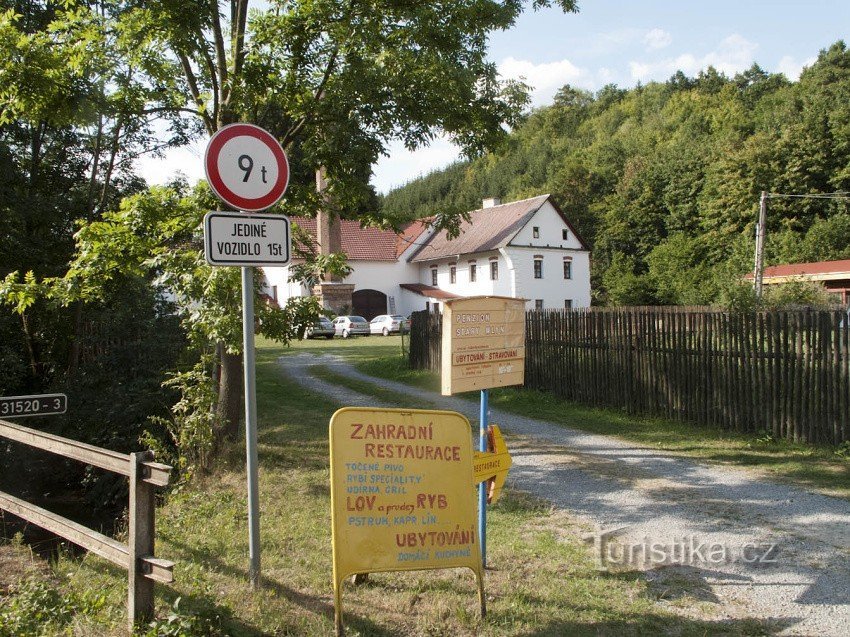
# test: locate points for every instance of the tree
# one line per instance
(333, 80)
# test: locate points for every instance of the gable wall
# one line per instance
(550, 225)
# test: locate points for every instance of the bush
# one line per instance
(192, 424)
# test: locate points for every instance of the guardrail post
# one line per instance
(141, 542)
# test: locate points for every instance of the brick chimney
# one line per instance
(332, 293)
(328, 233)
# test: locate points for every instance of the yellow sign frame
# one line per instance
(483, 343)
(414, 462)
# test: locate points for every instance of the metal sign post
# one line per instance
(251, 425)
(483, 424)
(247, 168)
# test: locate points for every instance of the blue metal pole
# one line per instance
(483, 420)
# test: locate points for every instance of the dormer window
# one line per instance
(535, 231)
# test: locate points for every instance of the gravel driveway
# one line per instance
(743, 546)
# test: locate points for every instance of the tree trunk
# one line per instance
(29, 340)
(76, 343)
(230, 394)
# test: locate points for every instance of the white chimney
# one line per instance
(490, 202)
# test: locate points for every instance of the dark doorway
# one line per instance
(369, 303)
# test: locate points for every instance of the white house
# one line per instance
(524, 249)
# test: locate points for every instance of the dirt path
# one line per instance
(742, 546)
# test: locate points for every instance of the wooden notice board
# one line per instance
(483, 343)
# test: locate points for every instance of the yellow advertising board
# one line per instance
(483, 343)
(402, 494)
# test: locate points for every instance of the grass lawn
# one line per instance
(543, 580)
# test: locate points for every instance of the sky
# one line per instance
(623, 42)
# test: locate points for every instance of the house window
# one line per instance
(568, 304)
(538, 267)
(473, 274)
(433, 276)
(538, 304)
(536, 232)
(452, 274)
(565, 234)
(568, 268)
(274, 292)
(494, 270)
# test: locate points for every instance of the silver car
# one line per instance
(346, 326)
(387, 324)
(322, 327)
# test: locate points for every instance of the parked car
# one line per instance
(346, 326)
(321, 327)
(386, 324)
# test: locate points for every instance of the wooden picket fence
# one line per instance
(783, 372)
(425, 340)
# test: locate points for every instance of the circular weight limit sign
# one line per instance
(246, 167)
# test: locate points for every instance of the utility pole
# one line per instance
(758, 273)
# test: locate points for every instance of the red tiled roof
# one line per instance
(368, 244)
(487, 229)
(804, 269)
(429, 291)
(819, 267)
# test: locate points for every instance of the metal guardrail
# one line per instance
(137, 556)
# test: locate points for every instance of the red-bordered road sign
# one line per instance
(246, 167)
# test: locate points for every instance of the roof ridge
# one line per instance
(513, 203)
(781, 265)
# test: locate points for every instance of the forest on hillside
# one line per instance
(663, 180)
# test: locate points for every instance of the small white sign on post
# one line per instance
(232, 238)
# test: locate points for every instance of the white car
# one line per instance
(386, 324)
(346, 326)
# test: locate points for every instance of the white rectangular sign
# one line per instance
(37, 405)
(234, 238)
